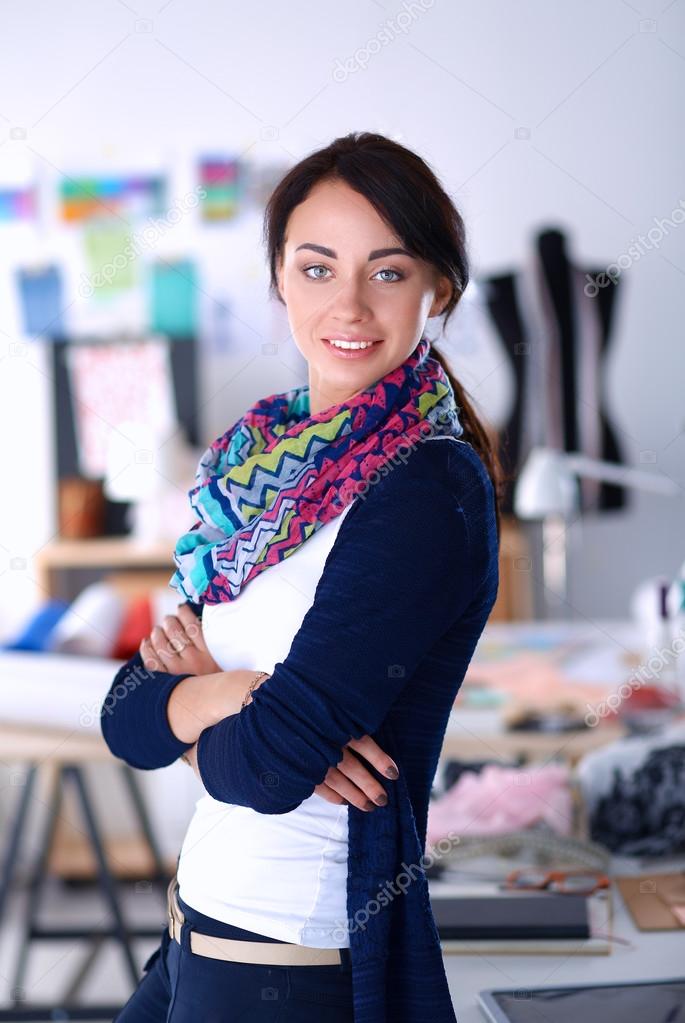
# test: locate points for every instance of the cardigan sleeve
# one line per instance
(399, 574)
(133, 718)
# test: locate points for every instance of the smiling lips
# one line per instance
(347, 344)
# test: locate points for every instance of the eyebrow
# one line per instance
(375, 254)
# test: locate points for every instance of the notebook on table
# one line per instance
(530, 922)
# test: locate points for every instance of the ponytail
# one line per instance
(483, 442)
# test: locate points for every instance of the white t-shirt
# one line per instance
(282, 875)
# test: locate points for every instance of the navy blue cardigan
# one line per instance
(403, 597)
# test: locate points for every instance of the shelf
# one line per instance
(105, 551)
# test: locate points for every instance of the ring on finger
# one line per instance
(176, 633)
(177, 646)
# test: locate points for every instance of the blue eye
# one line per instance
(388, 270)
(317, 266)
(385, 270)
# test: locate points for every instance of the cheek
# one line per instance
(296, 283)
(406, 304)
(303, 300)
(300, 306)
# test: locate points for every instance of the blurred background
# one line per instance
(138, 145)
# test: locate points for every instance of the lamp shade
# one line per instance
(545, 486)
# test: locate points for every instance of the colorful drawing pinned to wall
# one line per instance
(41, 300)
(173, 298)
(110, 260)
(132, 197)
(17, 204)
(221, 180)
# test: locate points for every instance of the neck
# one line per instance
(321, 398)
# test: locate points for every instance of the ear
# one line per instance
(443, 292)
(279, 276)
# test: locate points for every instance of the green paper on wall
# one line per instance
(174, 298)
(110, 258)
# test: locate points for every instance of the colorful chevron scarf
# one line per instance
(279, 474)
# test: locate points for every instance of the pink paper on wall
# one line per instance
(113, 384)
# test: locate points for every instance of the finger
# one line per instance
(329, 794)
(372, 752)
(147, 655)
(170, 661)
(362, 778)
(160, 643)
(192, 625)
(143, 653)
(175, 633)
(337, 781)
(162, 649)
(157, 636)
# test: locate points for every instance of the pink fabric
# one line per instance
(532, 678)
(498, 800)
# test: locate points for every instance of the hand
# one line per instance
(350, 782)
(199, 701)
(178, 646)
(226, 691)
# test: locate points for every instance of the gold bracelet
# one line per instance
(253, 683)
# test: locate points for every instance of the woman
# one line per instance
(313, 707)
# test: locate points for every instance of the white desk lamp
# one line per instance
(547, 489)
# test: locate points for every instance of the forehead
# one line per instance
(334, 214)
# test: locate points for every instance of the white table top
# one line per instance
(54, 690)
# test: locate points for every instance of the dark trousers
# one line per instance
(179, 986)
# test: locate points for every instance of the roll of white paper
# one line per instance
(91, 624)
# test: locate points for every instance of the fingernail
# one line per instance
(393, 773)
(381, 800)
(370, 805)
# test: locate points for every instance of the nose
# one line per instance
(349, 303)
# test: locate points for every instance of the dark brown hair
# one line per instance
(406, 193)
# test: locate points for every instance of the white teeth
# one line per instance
(350, 344)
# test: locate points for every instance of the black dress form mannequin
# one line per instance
(555, 329)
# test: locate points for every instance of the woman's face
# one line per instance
(339, 281)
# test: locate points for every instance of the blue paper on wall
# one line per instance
(40, 298)
(173, 298)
